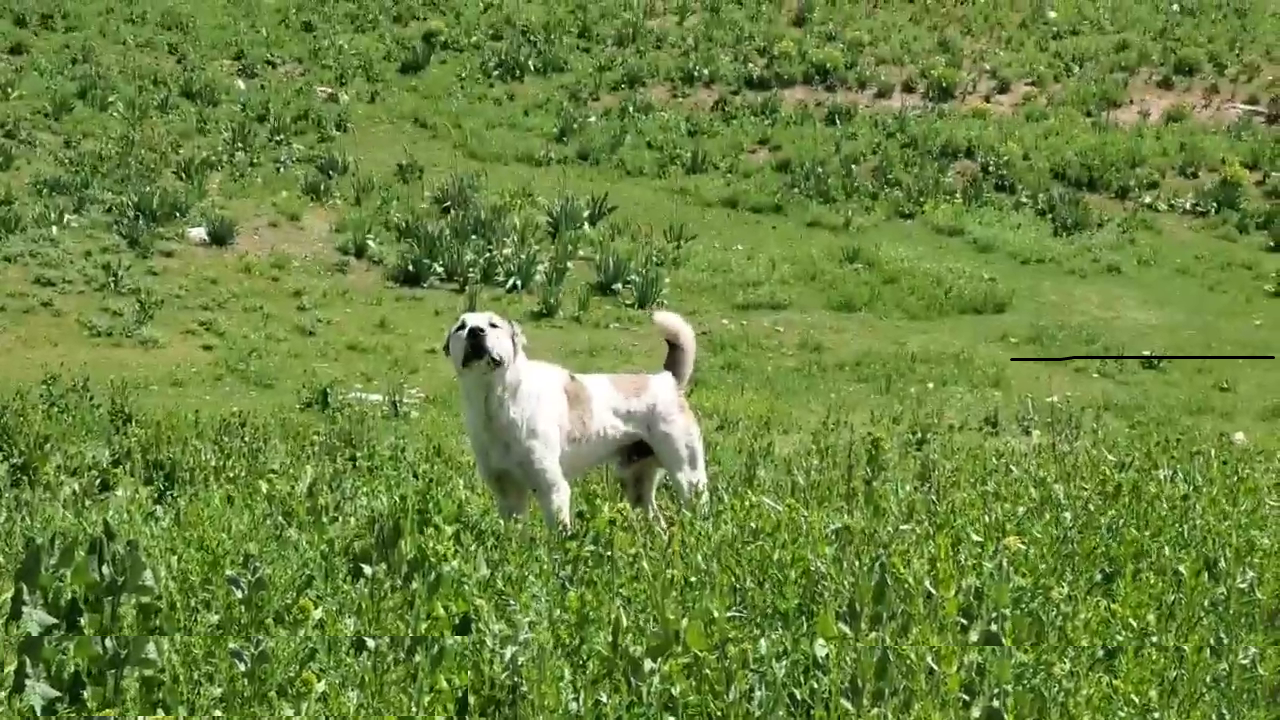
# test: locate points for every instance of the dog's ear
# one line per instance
(517, 339)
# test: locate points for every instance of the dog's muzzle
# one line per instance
(477, 350)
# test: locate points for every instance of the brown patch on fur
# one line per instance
(682, 405)
(630, 386)
(579, 400)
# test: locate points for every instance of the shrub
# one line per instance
(1227, 192)
(1067, 211)
(416, 59)
(824, 67)
(942, 83)
(222, 231)
(1189, 62)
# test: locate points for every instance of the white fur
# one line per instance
(527, 437)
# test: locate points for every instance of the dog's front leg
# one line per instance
(549, 484)
(510, 494)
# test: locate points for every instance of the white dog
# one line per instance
(536, 426)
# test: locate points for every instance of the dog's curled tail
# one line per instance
(682, 345)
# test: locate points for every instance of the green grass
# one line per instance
(864, 213)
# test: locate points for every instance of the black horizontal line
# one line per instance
(1144, 357)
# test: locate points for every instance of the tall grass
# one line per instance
(341, 558)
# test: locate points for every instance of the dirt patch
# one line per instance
(1145, 100)
(706, 98)
(807, 95)
(701, 97)
(309, 237)
(964, 172)
(759, 155)
(986, 94)
(674, 22)
(1200, 102)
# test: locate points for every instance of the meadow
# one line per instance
(234, 234)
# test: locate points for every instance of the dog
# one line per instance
(536, 426)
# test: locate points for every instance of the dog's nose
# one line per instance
(475, 331)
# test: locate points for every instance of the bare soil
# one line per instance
(1146, 100)
(308, 238)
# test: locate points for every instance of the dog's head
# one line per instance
(482, 342)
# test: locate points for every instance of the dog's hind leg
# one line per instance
(509, 494)
(513, 503)
(639, 479)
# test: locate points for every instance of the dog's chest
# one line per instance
(497, 433)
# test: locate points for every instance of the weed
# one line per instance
(649, 285)
(550, 298)
(582, 297)
(12, 221)
(613, 265)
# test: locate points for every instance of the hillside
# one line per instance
(218, 221)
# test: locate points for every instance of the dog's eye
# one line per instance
(459, 327)
(493, 325)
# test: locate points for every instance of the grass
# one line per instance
(216, 222)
